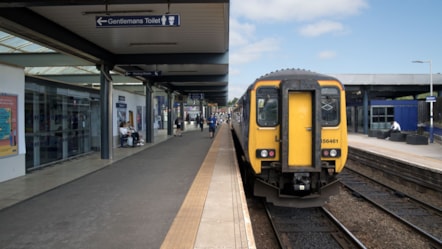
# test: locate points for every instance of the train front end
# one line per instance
(298, 152)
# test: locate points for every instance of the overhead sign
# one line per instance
(430, 99)
(196, 95)
(121, 105)
(137, 21)
(143, 73)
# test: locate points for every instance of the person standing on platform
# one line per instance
(197, 120)
(178, 123)
(211, 121)
(202, 123)
(395, 128)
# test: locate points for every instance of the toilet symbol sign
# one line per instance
(137, 21)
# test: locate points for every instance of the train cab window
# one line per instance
(267, 106)
(330, 106)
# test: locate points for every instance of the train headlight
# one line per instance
(265, 153)
(331, 153)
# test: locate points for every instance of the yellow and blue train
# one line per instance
(292, 129)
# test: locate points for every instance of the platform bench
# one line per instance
(382, 134)
(417, 139)
(123, 141)
(373, 133)
(398, 137)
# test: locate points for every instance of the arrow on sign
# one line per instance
(100, 21)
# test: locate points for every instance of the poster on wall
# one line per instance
(8, 125)
(139, 118)
(121, 112)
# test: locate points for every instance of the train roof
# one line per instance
(295, 74)
(291, 74)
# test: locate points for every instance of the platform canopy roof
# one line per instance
(178, 45)
(389, 86)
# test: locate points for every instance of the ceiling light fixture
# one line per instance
(182, 71)
(134, 44)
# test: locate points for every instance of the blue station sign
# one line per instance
(430, 99)
(143, 73)
(137, 21)
(196, 95)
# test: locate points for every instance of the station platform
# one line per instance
(425, 156)
(178, 192)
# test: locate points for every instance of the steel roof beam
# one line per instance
(95, 78)
(44, 60)
(52, 35)
(31, 3)
(175, 58)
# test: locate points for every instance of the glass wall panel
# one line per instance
(57, 123)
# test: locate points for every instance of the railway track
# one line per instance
(422, 217)
(309, 228)
(400, 171)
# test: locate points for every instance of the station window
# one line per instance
(330, 106)
(381, 116)
(267, 106)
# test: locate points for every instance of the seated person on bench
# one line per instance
(134, 134)
(395, 127)
(124, 132)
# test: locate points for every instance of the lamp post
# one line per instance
(431, 100)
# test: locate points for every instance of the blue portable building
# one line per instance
(405, 112)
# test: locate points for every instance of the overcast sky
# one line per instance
(332, 36)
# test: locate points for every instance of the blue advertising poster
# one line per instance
(8, 125)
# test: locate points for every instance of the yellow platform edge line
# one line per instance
(184, 229)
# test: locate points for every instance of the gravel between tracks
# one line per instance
(374, 228)
(371, 226)
(262, 229)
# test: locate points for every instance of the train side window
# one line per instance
(267, 106)
(330, 106)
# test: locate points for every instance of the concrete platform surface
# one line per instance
(427, 156)
(134, 200)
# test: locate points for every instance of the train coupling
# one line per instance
(272, 195)
(301, 181)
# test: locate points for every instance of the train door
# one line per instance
(300, 128)
(131, 118)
